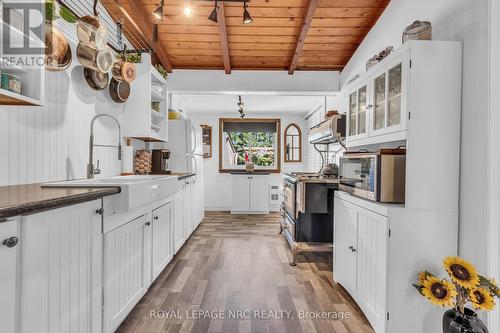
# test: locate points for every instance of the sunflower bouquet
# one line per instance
(466, 286)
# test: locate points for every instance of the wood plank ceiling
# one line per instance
(284, 35)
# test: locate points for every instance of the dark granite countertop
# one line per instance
(183, 175)
(32, 198)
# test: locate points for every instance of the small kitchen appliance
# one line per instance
(159, 164)
(377, 176)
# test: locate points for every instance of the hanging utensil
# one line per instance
(122, 69)
(119, 90)
(91, 30)
(98, 60)
(58, 51)
(96, 80)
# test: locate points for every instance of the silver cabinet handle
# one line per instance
(11, 242)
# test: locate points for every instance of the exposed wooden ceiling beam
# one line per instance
(144, 25)
(221, 21)
(306, 23)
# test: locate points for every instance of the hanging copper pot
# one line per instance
(96, 80)
(100, 60)
(57, 52)
(123, 70)
(119, 90)
(91, 31)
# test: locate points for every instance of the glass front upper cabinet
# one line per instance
(358, 111)
(387, 98)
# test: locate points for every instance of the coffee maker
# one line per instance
(159, 162)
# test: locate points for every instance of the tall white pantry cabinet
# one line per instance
(412, 98)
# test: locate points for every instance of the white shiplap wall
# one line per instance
(39, 144)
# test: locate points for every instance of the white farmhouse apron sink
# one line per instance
(136, 191)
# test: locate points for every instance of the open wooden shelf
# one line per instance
(11, 98)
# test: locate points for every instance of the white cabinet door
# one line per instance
(357, 112)
(388, 97)
(259, 194)
(240, 194)
(61, 270)
(180, 216)
(162, 238)
(345, 242)
(124, 279)
(199, 192)
(9, 251)
(189, 207)
(372, 267)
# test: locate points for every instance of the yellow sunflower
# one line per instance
(481, 299)
(494, 287)
(439, 292)
(424, 275)
(461, 272)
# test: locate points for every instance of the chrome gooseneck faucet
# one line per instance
(91, 170)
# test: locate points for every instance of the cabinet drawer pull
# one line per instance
(11, 242)
(156, 218)
(148, 223)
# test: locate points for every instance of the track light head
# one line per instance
(213, 14)
(158, 12)
(247, 19)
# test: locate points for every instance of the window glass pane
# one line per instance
(394, 96)
(292, 130)
(362, 110)
(242, 147)
(379, 117)
(352, 114)
(296, 141)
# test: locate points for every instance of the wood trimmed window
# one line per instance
(293, 143)
(256, 140)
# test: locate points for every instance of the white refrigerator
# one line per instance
(185, 145)
(186, 155)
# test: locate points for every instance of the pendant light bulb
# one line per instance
(247, 19)
(213, 14)
(188, 10)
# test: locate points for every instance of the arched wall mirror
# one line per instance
(293, 143)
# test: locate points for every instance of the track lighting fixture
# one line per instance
(240, 107)
(213, 14)
(188, 11)
(155, 33)
(158, 12)
(247, 19)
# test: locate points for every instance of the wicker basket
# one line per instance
(142, 162)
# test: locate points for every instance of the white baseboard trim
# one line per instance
(217, 209)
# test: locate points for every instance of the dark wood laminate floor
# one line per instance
(240, 262)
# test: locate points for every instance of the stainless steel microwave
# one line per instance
(378, 176)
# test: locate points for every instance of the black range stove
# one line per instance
(307, 210)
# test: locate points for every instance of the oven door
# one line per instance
(289, 198)
(288, 228)
(359, 175)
